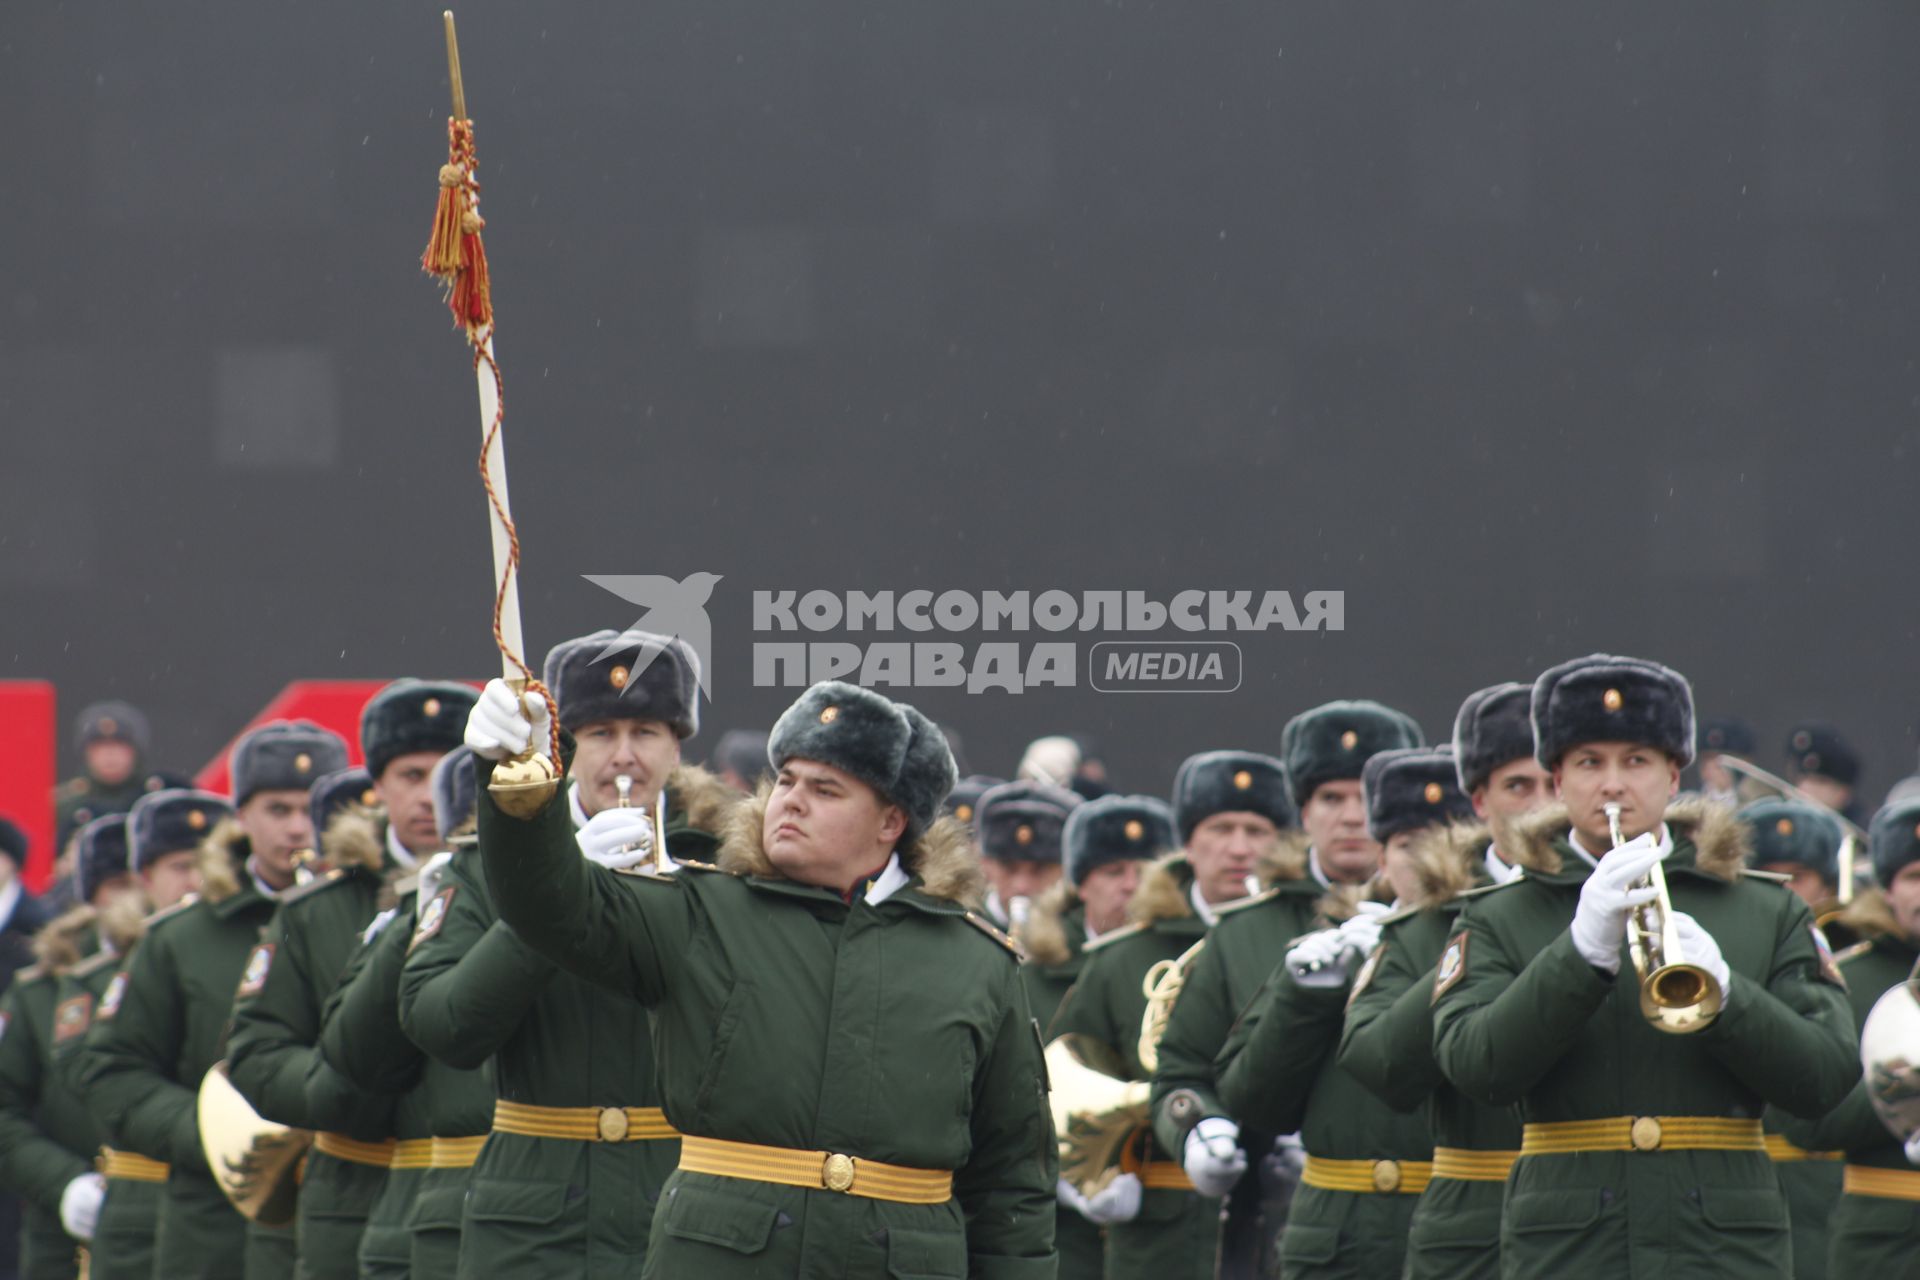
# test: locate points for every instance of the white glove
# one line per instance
(1700, 948)
(617, 838)
(1319, 960)
(1213, 1157)
(1600, 921)
(1361, 934)
(502, 724)
(1913, 1147)
(80, 1205)
(1118, 1201)
(378, 923)
(1291, 1154)
(432, 871)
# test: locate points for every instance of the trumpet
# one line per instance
(623, 788)
(1675, 997)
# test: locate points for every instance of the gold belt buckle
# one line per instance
(1386, 1175)
(1645, 1134)
(836, 1172)
(613, 1124)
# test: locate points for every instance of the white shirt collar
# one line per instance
(892, 878)
(1313, 866)
(10, 896)
(399, 852)
(1498, 868)
(1088, 929)
(253, 873)
(1201, 907)
(1573, 840)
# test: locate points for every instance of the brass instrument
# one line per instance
(1676, 997)
(255, 1161)
(1849, 846)
(1890, 1057)
(1096, 1110)
(624, 786)
(1161, 987)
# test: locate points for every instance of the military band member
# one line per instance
(1821, 763)
(1387, 1043)
(1322, 752)
(580, 1151)
(404, 730)
(48, 1139)
(1875, 1228)
(1641, 1152)
(1366, 1164)
(845, 1048)
(114, 741)
(1020, 868)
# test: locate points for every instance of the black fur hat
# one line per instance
(1796, 832)
(283, 755)
(1023, 821)
(169, 821)
(334, 793)
(1492, 729)
(1724, 733)
(100, 855)
(625, 675)
(1331, 742)
(13, 842)
(963, 802)
(1819, 749)
(743, 752)
(413, 715)
(1412, 787)
(1114, 828)
(456, 789)
(1894, 839)
(1230, 782)
(888, 745)
(1604, 698)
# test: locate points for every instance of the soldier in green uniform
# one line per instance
(1387, 1044)
(1322, 751)
(1163, 1227)
(1641, 1151)
(1020, 870)
(271, 1054)
(47, 1138)
(580, 1151)
(1366, 1165)
(145, 1066)
(1801, 843)
(843, 1044)
(114, 739)
(1875, 1228)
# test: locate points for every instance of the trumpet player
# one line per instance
(1875, 1229)
(1017, 828)
(1642, 998)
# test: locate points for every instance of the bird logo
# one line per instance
(669, 607)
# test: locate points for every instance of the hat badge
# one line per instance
(1784, 826)
(1612, 700)
(618, 677)
(1811, 763)
(1802, 740)
(368, 797)
(964, 812)
(829, 714)
(109, 726)
(302, 762)
(1134, 829)
(197, 819)
(431, 707)
(1023, 834)
(1243, 780)
(1349, 740)
(1434, 793)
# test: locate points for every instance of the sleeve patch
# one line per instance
(110, 999)
(71, 1018)
(254, 976)
(433, 916)
(1453, 965)
(1829, 968)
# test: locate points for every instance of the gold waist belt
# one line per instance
(353, 1151)
(1464, 1165)
(128, 1167)
(1784, 1152)
(1368, 1177)
(816, 1170)
(1642, 1133)
(582, 1124)
(1886, 1184)
(456, 1153)
(411, 1153)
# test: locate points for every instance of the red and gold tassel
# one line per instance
(455, 253)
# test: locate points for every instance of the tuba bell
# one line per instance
(255, 1161)
(1890, 1057)
(1675, 996)
(1096, 1110)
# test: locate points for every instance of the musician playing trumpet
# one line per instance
(1641, 1019)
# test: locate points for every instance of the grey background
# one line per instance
(1536, 329)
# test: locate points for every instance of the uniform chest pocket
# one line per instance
(533, 1204)
(711, 1216)
(1743, 1209)
(926, 1255)
(1570, 1210)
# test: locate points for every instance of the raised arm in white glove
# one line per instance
(617, 838)
(1600, 921)
(1213, 1158)
(503, 724)
(80, 1205)
(1699, 947)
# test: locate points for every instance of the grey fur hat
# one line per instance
(888, 745)
(963, 802)
(1795, 832)
(114, 721)
(1115, 828)
(336, 792)
(1605, 698)
(1494, 727)
(100, 855)
(168, 821)
(1412, 787)
(283, 755)
(1230, 782)
(1894, 839)
(1331, 742)
(1022, 821)
(456, 790)
(625, 675)
(414, 715)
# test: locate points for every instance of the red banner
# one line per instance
(28, 752)
(333, 704)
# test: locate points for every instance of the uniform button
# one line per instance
(613, 1124)
(1646, 1134)
(1386, 1175)
(836, 1174)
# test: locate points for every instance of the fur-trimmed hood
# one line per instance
(223, 859)
(1443, 859)
(1719, 838)
(1165, 892)
(62, 941)
(1287, 861)
(123, 920)
(356, 836)
(1868, 915)
(1342, 902)
(942, 857)
(703, 799)
(1044, 936)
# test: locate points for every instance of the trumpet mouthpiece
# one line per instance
(624, 785)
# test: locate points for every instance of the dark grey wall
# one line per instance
(1537, 329)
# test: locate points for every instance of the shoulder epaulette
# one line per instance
(38, 969)
(987, 927)
(1258, 898)
(311, 887)
(1479, 889)
(93, 964)
(1853, 952)
(165, 914)
(697, 865)
(1114, 935)
(1775, 876)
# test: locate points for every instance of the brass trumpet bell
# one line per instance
(1095, 1110)
(255, 1161)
